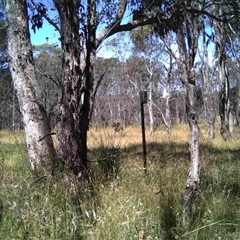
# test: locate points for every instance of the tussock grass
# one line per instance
(122, 202)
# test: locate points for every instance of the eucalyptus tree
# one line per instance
(83, 26)
(186, 60)
(42, 154)
(209, 102)
(223, 74)
(186, 23)
(226, 35)
(234, 76)
(159, 67)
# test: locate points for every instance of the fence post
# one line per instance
(143, 100)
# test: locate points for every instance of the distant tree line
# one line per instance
(117, 99)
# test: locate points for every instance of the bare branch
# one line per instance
(47, 135)
(162, 114)
(169, 49)
(120, 13)
(95, 91)
(221, 18)
(48, 77)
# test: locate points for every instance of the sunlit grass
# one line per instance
(123, 202)
(11, 137)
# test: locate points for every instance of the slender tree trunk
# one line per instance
(224, 101)
(231, 122)
(13, 111)
(89, 73)
(193, 178)
(188, 51)
(211, 115)
(42, 155)
(167, 112)
(150, 108)
(209, 101)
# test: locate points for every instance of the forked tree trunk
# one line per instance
(42, 155)
(71, 147)
(78, 80)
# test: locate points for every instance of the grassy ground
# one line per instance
(122, 202)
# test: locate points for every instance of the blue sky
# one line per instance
(47, 34)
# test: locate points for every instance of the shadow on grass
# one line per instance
(220, 183)
(220, 178)
(225, 160)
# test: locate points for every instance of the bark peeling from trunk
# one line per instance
(188, 51)
(41, 151)
(193, 179)
(74, 106)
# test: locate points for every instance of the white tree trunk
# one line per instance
(39, 143)
(150, 109)
(223, 76)
(231, 122)
(167, 112)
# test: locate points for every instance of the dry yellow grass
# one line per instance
(11, 137)
(133, 136)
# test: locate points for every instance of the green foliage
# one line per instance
(36, 16)
(141, 38)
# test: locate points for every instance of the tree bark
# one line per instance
(150, 106)
(70, 137)
(188, 50)
(168, 112)
(78, 83)
(193, 178)
(42, 155)
(224, 101)
(211, 115)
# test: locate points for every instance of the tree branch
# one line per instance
(95, 92)
(46, 17)
(107, 32)
(48, 77)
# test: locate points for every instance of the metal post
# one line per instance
(143, 100)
